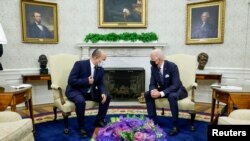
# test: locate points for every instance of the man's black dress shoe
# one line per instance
(83, 133)
(173, 131)
(100, 123)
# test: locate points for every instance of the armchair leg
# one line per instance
(55, 114)
(192, 115)
(162, 111)
(66, 123)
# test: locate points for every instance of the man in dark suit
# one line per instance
(205, 29)
(36, 29)
(164, 82)
(86, 83)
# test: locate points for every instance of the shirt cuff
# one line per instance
(162, 94)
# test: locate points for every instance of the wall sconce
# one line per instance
(3, 40)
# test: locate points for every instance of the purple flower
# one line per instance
(139, 136)
(131, 129)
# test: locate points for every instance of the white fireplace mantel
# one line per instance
(120, 49)
(124, 55)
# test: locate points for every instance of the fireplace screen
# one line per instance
(124, 84)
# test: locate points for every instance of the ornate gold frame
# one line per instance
(27, 8)
(139, 8)
(195, 9)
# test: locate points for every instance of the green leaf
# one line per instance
(126, 36)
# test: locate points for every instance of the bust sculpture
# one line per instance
(43, 64)
(202, 60)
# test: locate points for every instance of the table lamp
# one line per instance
(3, 40)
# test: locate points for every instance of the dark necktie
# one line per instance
(94, 75)
(95, 71)
(161, 76)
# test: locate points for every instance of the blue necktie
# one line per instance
(95, 69)
(161, 76)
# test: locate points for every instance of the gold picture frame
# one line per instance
(205, 22)
(122, 13)
(39, 22)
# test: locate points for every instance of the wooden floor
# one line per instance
(40, 109)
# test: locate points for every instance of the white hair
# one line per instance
(205, 14)
(158, 53)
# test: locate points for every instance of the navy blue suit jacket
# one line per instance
(78, 80)
(171, 82)
(34, 32)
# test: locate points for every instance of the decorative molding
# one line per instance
(119, 49)
(121, 44)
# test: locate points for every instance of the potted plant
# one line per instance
(114, 37)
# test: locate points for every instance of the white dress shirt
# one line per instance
(92, 69)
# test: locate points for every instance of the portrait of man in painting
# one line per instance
(122, 10)
(39, 21)
(204, 22)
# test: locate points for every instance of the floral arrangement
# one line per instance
(126, 36)
(131, 128)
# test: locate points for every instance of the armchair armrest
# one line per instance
(8, 116)
(194, 85)
(55, 87)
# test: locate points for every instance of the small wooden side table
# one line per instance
(37, 77)
(208, 76)
(11, 97)
(239, 98)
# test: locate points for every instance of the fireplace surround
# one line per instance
(124, 84)
(126, 56)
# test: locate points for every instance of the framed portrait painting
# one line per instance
(205, 22)
(122, 13)
(39, 22)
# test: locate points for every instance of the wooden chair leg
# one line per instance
(192, 115)
(55, 113)
(162, 111)
(66, 122)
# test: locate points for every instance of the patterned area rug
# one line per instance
(133, 110)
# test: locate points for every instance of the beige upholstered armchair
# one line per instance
(237, 117)
(14, 128)
(60, 66)
(187, 65)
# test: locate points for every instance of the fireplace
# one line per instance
(124, 84)
(132, 56)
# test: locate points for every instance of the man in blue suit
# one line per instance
(37, 30)
(164, 82)
(86, 83)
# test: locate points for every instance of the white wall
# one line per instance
(167, 18)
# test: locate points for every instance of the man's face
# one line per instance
(43, 60)
(100, 59)
(154, 58)
(37, 17)
(203, 61)
(204, 17)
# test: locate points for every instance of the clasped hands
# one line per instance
(91, 82)
(155, 93)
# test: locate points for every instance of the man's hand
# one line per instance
(155, 93)
(104, 98)
(91, 80)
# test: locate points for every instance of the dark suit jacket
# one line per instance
(35, 32)
(207, 31)
(78, 80)
(171, 81)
